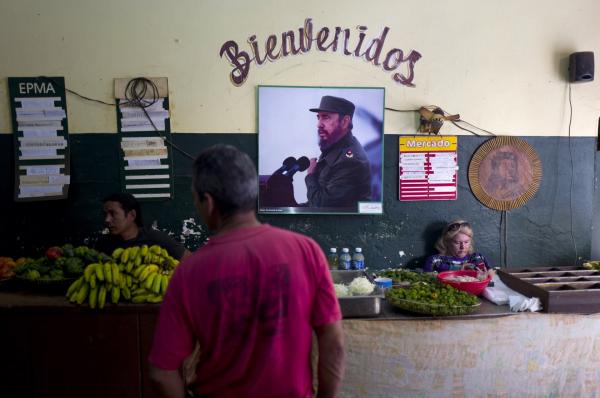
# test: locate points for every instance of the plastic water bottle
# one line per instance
(345, 259)
(358, 259)
(332, 259)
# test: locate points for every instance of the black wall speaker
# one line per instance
(581, 66)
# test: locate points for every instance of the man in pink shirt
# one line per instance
(250, 298)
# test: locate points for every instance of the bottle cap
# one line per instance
(333, 250)
(345, 250)
(358, 250)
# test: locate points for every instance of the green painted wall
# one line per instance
(538, 233)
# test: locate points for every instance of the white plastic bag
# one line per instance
(501, 294)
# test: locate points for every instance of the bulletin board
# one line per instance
(41, 138)
(144, 136)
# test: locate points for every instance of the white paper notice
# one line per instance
(160, 166)
(138, 114)
(143, 162)
(42, 170)
(59, 179)
(131, 153)
(37, 133)
(40, 124)
(125, 106)
(147, 186)
(41, 189)
(152, 195)
(144, 157)
(143, 126)
(43, 143)
(142, 142)
(33, 153)
(37, 103)
(24, 115)
(135, 118)
(147, 177)
(44, 179)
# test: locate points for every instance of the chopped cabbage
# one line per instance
(341, 290)
(361, 286)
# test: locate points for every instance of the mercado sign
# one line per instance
(326, 39)
(428, 168)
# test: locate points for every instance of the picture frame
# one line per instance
(320, 150)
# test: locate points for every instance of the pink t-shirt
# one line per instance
(251, 298)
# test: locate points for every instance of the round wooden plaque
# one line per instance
(504, 173)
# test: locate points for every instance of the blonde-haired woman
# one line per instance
(456, 251)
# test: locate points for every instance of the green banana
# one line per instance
(133, 252)
(129, 280)
(138, 271)
(156, 284)
(126, 293)
(125, 255)
(73, 297)
(99, 271)
(82, 293)
(93, 299)
(138, 260)
(93, 283)
(101, 296)
(151, 268)
(108, 273)
(144, 273)
(164, 282)
(144, 250)
(129, 266)
(89, 270)
(141, 298)
(139, 291)
(116, 274)
(115, 294)
(148, 283)
(154, 298)
(116, 254)
(74, 286)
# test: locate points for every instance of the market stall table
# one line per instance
(54, 348)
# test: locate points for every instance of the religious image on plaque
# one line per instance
(504, 173)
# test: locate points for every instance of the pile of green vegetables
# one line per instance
(59, 263)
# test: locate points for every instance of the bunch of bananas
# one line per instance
(592, 264)
(139, 274)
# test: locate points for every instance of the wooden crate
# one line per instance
(560, 289)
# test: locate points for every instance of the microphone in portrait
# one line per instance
(279, 188)
(288, 163)
(301, 165)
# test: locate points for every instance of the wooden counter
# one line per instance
(52, 348)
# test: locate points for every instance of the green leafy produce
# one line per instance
(32, 265)
(69, 264)
(55, 274)
(73, 266)
(32, 274)
(399, 275)
(68, 250)
(432, 298)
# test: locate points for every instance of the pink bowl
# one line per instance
(475, 288)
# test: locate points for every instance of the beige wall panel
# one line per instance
(500, 64)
